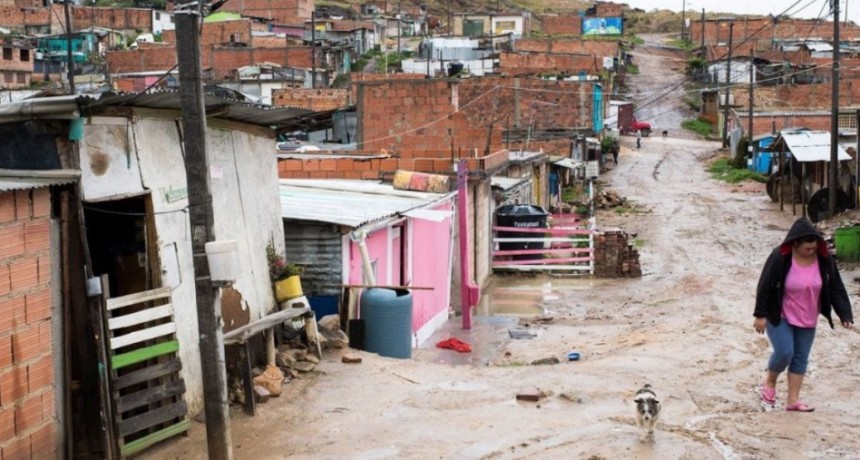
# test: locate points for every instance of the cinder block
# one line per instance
(41, 373)
(7, 207)
(7, 425)
(18, 449)
(26, 344)
(28, 415)
(37, 235)
(44, 261)
(41, 202)
(43, 442)
(5, 353)
(12, 314)
(25, 273)
(5, 281)
(22, 204)
(11, 240)
(49, 409)
(13, 385)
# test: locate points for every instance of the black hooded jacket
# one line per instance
(771, 284)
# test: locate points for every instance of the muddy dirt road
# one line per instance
(685, 327)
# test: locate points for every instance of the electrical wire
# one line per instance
(134, 214)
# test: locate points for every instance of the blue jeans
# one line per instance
(791, 346)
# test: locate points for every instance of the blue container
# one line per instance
(761, 163)
(323, 305)
(76, 129)
(387, 315)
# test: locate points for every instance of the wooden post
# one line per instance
(218, 437)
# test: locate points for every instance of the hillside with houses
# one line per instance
(375, 144)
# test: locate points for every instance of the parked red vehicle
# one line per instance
(643, 126)
(627, 122)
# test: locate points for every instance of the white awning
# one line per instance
(809, 146)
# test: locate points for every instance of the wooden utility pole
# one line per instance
(201, 217)
(752, 99)
(728, 89)
(683, 19)
(314, 49)
(834, 115)
(70, 55)
(703, 29)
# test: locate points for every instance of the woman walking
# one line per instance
(799, 281)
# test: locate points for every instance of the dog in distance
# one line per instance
(647, 408)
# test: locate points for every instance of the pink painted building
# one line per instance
(408, 236)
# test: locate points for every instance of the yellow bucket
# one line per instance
(288, 288)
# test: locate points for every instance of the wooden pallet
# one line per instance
(144, 364)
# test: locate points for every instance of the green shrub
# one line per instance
(724, 170)
(702, 128)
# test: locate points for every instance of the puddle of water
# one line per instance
(519, 296)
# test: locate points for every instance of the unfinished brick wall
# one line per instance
(763, 31)
(17, 18)
(518, 102)
(798, 97)
(371, 166)
(221, 32)
(279, 11)
(564, 25)
(774, 123)
(312, 99)
(524, 64)
(615, 256)
(419, 119)
(608, 9)
(571, 46)
(26, 360)
(21, 58)
(222, 60)
(112, 18)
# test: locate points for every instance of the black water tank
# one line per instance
(522, 216)
(454, 68)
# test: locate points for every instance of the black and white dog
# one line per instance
(647, 408)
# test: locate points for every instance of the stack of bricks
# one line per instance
(27, 415)
(614, 256)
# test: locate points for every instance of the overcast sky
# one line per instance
(807, 9)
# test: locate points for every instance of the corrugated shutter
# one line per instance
(317, 248)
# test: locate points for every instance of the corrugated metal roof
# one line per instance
(507, 183)
(352, 203)
(26, 179)
(807, 146)
(570, 163)
(228, 105)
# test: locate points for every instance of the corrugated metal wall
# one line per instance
(317, 248)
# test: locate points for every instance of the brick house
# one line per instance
(30, 355)
(71, 255)
(16, 66)
(226, 46)
(429, 125)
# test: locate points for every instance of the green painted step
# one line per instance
(142, 354)
(139, 444)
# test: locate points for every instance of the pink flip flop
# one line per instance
(799, 406)
(768, 395)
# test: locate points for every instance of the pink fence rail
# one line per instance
(563, 247)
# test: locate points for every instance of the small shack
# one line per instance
(408, 236)
(803, 162)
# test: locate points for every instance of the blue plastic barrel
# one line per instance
(387, 315)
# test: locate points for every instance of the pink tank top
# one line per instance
(801, 297)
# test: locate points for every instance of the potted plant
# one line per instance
(285, 277)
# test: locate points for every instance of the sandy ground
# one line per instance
(685, 327)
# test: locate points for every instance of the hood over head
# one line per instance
(802, 228)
